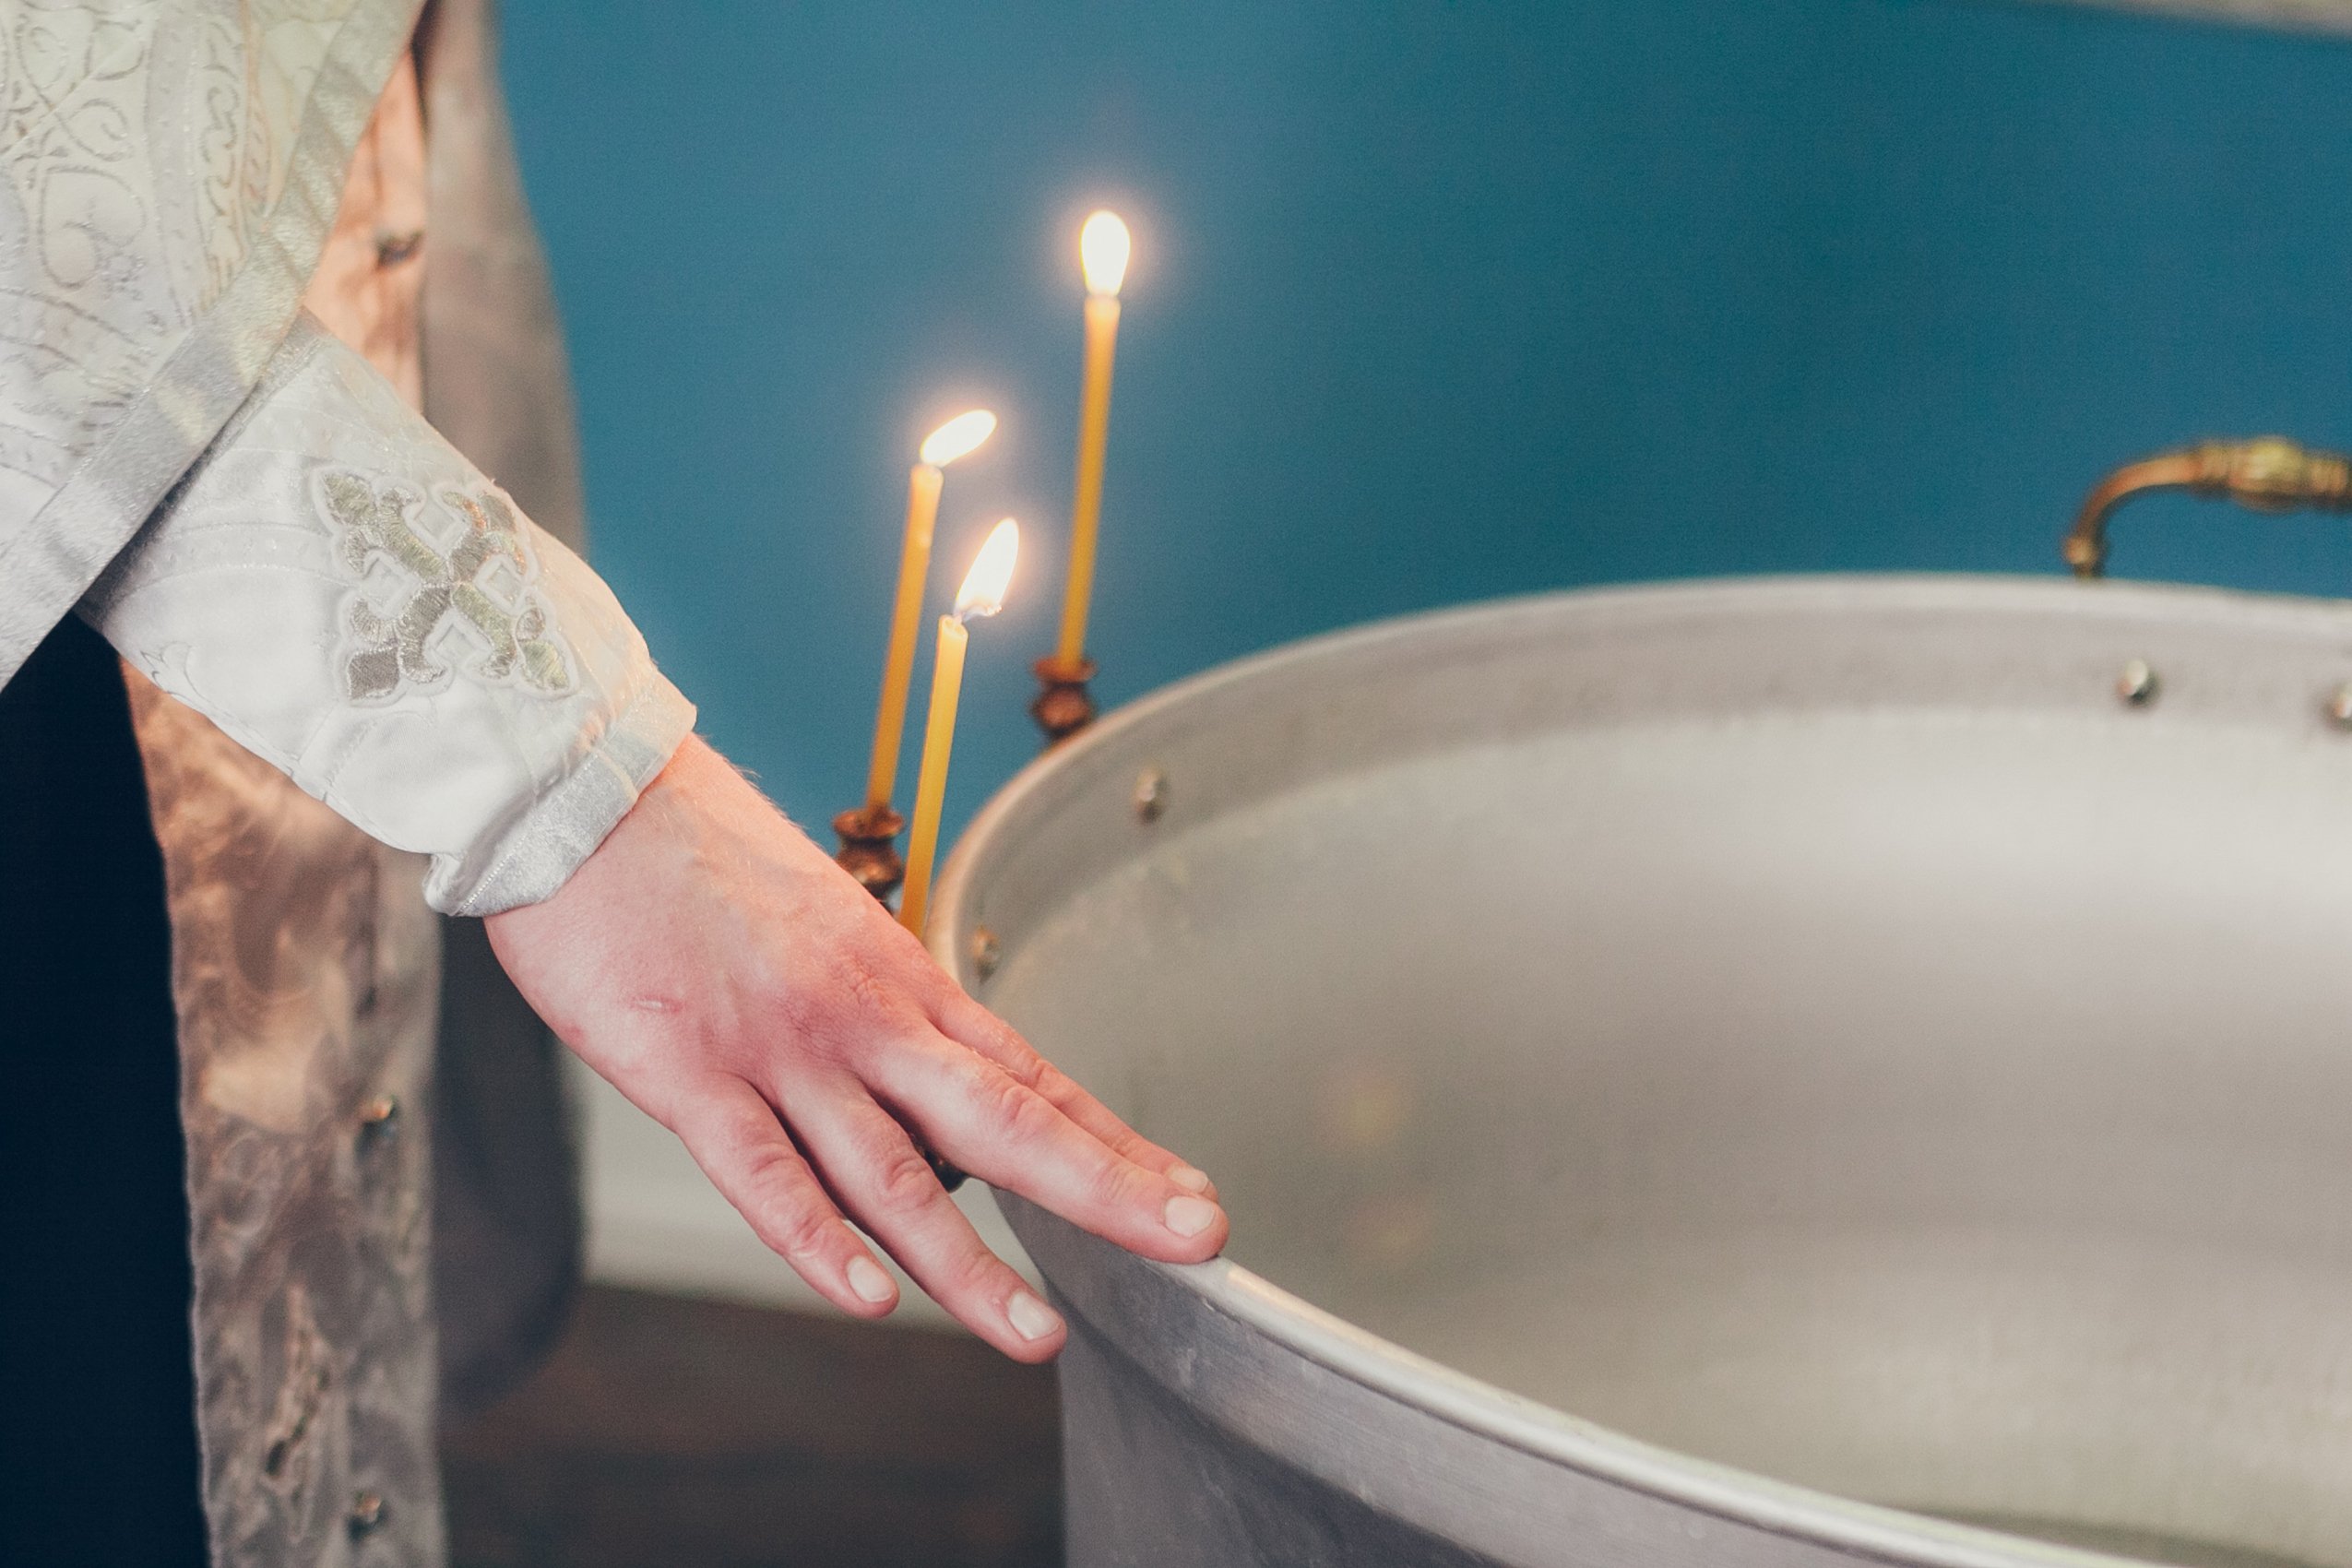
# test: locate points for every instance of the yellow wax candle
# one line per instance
(931, 783)
(1103, 247)
(906, 618)
(955, 439)
(982, 594)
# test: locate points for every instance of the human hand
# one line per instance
(726, 976)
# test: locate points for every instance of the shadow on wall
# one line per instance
(1429, 302)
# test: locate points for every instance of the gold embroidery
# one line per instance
(483, 583)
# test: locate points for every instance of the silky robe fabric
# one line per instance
(169, 176)
(350, 600)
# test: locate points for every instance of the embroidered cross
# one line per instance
(484, 582)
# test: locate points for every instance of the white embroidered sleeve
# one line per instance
(346, 596)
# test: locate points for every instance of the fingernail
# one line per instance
(1031, 1318)
(1189, 1216)
(1191, 1181)
(869, 1281)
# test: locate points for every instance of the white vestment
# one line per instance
(362, 667)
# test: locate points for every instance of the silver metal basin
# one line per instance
(1783, 1072)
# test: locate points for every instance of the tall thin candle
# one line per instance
(982, 594)
(956, 438)
(1103, 248)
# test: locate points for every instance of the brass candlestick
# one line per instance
(870, 848)
(1063, 705)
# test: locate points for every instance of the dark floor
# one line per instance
(665, 1432)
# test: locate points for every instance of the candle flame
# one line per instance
(991, 572)
(958, 437)
(1103, 247)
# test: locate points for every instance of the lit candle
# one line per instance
(956, 438)
(1102, 250)
(982, 594)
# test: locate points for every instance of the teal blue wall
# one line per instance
(1432, 302)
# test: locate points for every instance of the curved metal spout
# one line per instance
(2267, 474)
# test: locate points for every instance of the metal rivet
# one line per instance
(367, 1514)
(1151, 794)
(986, 954)
(380, 1114)
(2339, 706)
(2137, 685)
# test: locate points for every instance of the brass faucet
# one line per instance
(2267, 474)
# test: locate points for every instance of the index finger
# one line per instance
(975, 1029)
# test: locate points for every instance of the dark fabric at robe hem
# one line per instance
(98, 1436)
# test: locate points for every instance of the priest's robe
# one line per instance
(368, 684)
